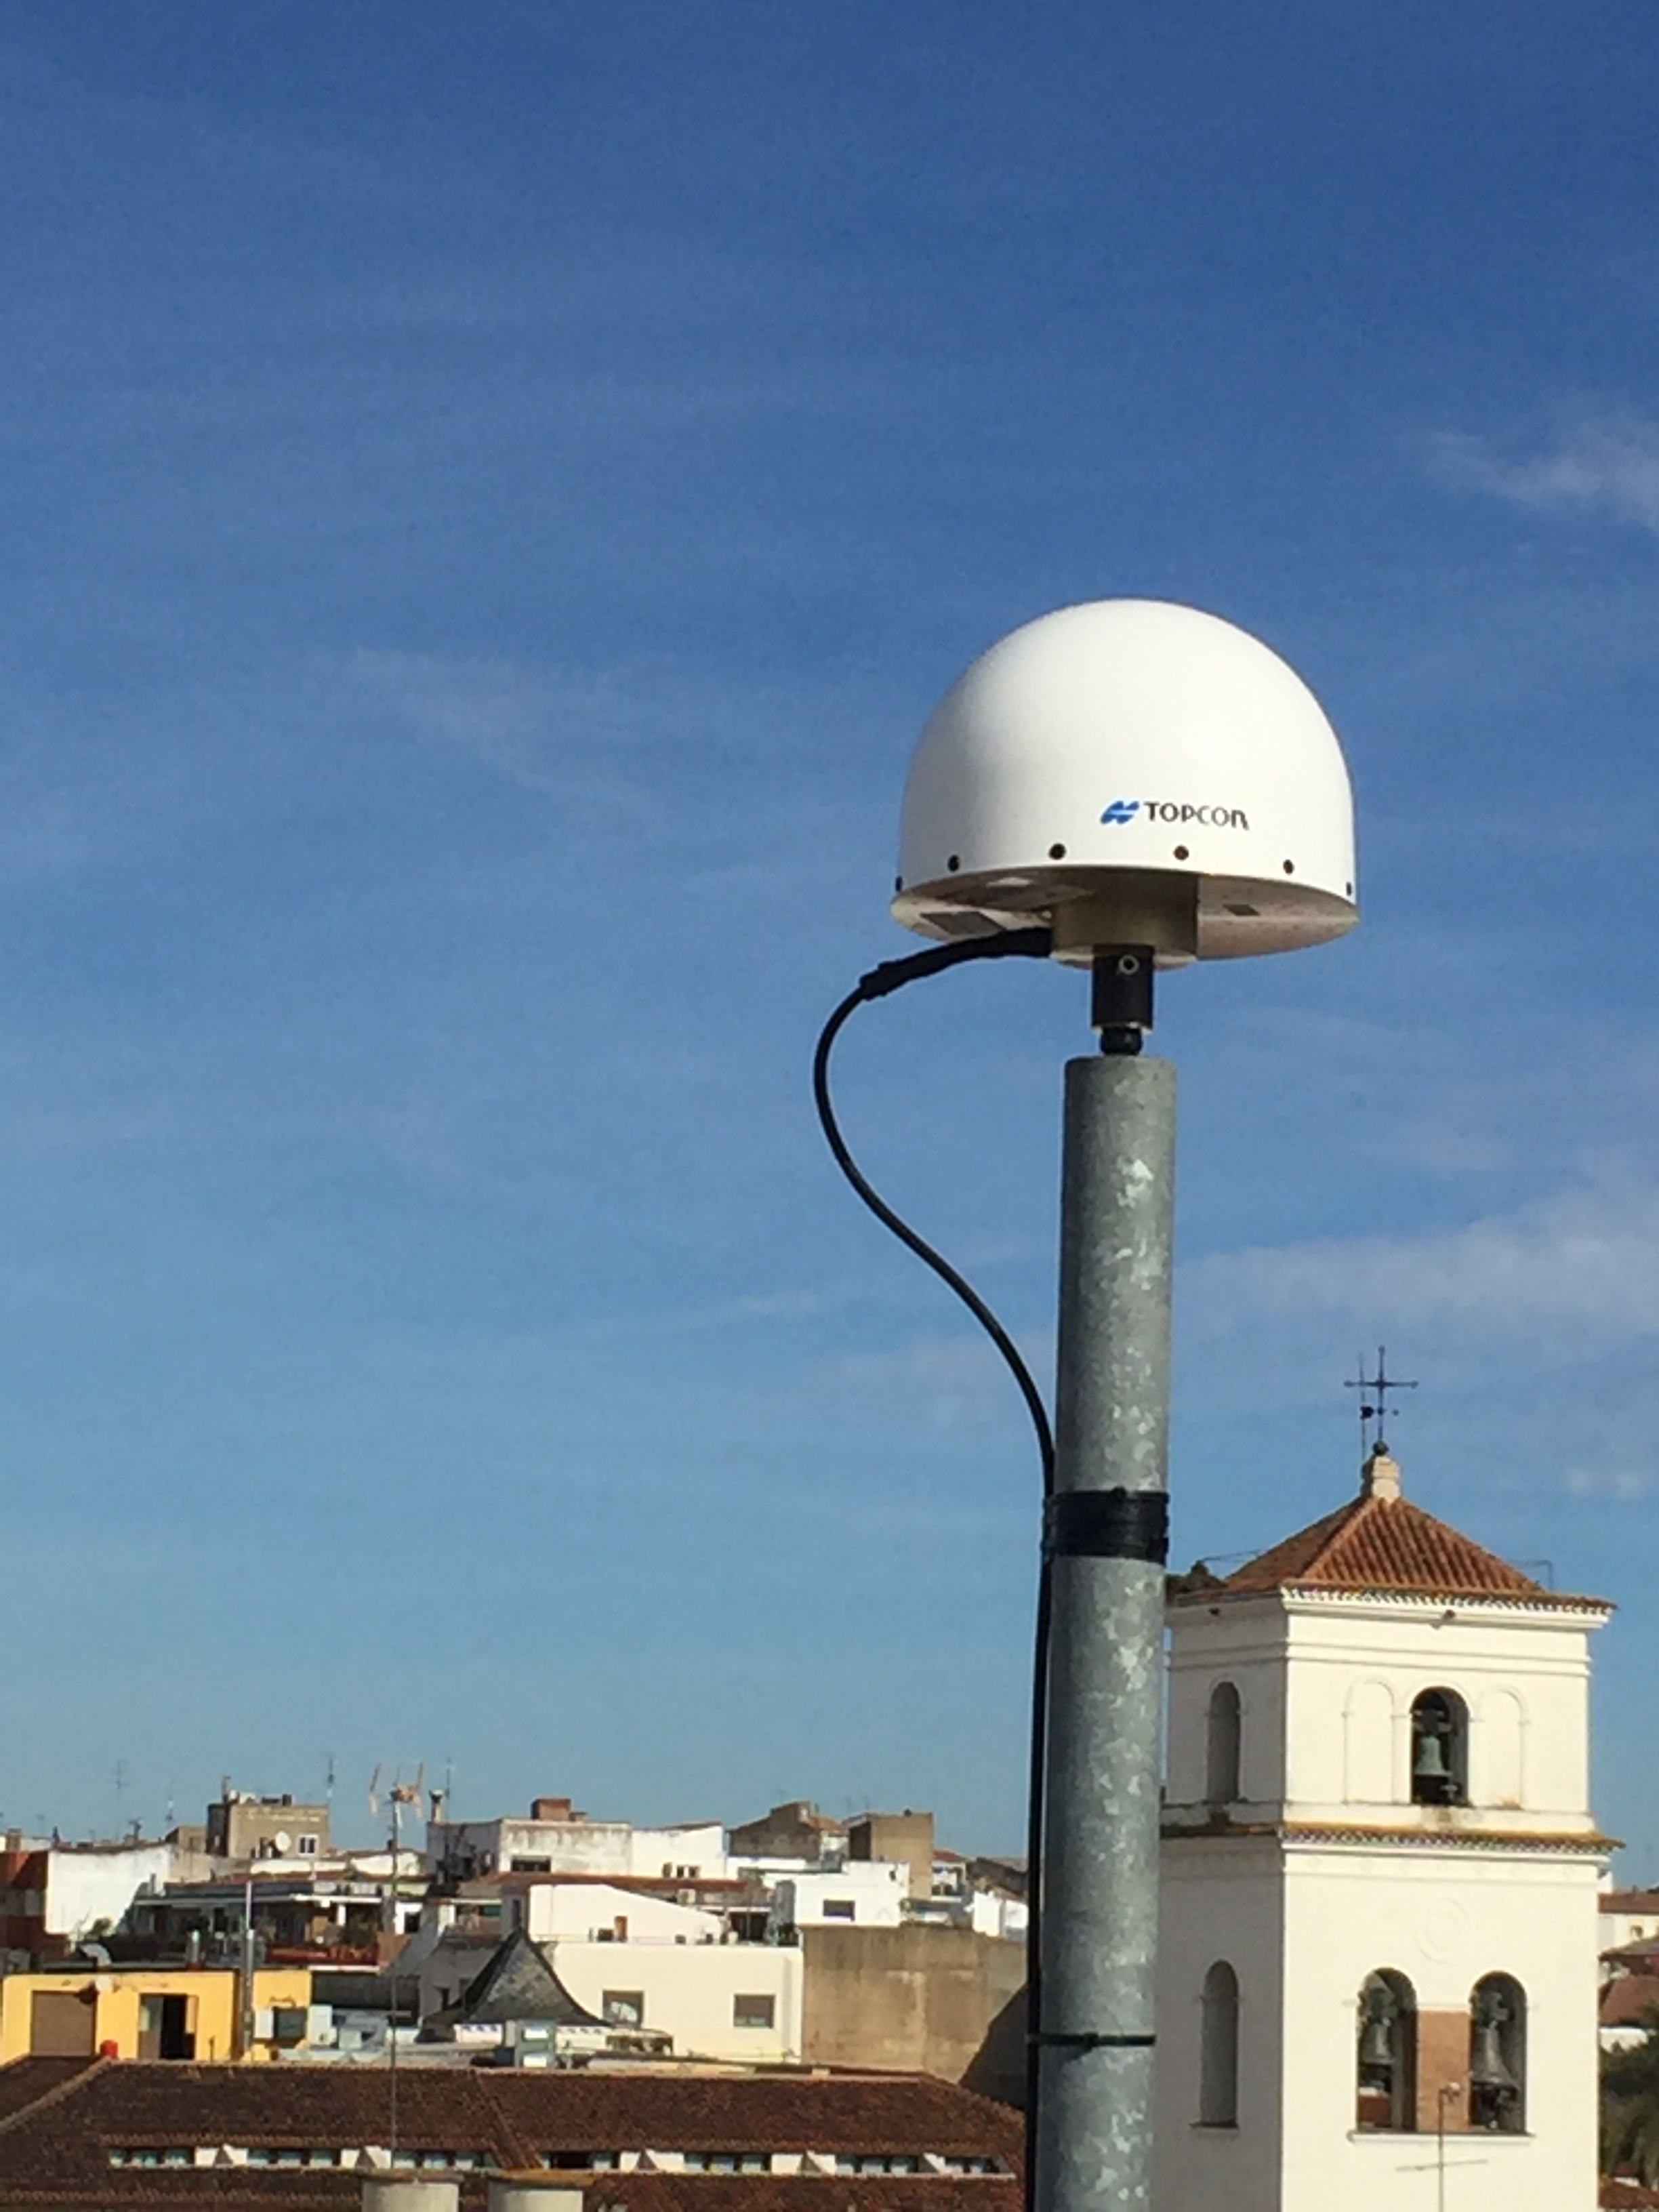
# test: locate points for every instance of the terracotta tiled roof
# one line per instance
(1639, 1958)
(26, 2081)
(1381, 1541)
(1629, 1900)
(1626, 2002)
(56, 2149)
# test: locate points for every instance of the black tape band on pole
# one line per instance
(1094, 2042)
(1108, 1524)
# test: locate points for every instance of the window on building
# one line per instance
(164, 2027)
(726, 2161)
(1386, 2062)
(1440, 1749)
(1222, 1747)
(1497, 2055)
(754, 2011)
(839, 1908)
(876, 2162)
(1217, 2050)
(624, 2007)
(530, 1866)
(308, 1847)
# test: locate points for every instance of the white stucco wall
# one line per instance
(659, 1852)
(569, 1846)
(583, 1846)
(690, 1991)
(594, 1910)
(1326, 1687)
(1212, 1909)
(876, 1890)
(1620, 1927)
(990, 1913)
(86, 1886)
(1443, 1920)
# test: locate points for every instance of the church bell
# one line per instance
(1431, 1760)
(1377, 2044)
(1486, 2068)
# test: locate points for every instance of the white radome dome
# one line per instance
(1129, 765)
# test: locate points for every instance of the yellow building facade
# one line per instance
(151, 2012)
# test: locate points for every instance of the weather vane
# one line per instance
(1374, 1399)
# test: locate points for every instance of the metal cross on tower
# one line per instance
(1374, 1399)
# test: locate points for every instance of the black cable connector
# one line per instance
(1120, 1000)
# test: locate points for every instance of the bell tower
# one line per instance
(1377, 1956)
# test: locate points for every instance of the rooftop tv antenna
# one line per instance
(399, 1793)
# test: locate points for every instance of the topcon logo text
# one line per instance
(1177, 811)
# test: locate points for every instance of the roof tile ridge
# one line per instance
(521, 2156)
(1365, 1507)
(55, 2094)
(1332, 1524)
(1526, 1583)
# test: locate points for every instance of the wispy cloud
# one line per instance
(1619, 1485)
(953, 1384)
(534, 725)
(1576, 1272)
(1606, 464)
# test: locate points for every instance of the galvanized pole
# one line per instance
(1107, 1539)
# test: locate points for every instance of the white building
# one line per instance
(692, 1850)
(555, 1838)
(990, 1912)
(73, 1891)
(716, 2000)
(1378, 1955)
(552, 1838)
(1628, 1916)
(863, 1894)
(599, 1912)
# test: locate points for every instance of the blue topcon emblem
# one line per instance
(1122, 810)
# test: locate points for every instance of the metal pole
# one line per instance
(246, 2018)
(1107, 1541)
(391, 1970)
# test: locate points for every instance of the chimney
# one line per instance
(1380, 1476)
(551, 1808)
(526, 2193)
(409, 2192)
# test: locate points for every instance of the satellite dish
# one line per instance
(1130, 772)
(283, 1841)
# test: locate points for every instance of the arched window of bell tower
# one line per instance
(1222, 1746)
(1440, 1749)
(1497, 2055)
(1217, 2052)
(1385, 2061)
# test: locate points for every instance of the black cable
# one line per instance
(892, 975)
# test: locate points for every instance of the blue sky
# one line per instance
(491, 497)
